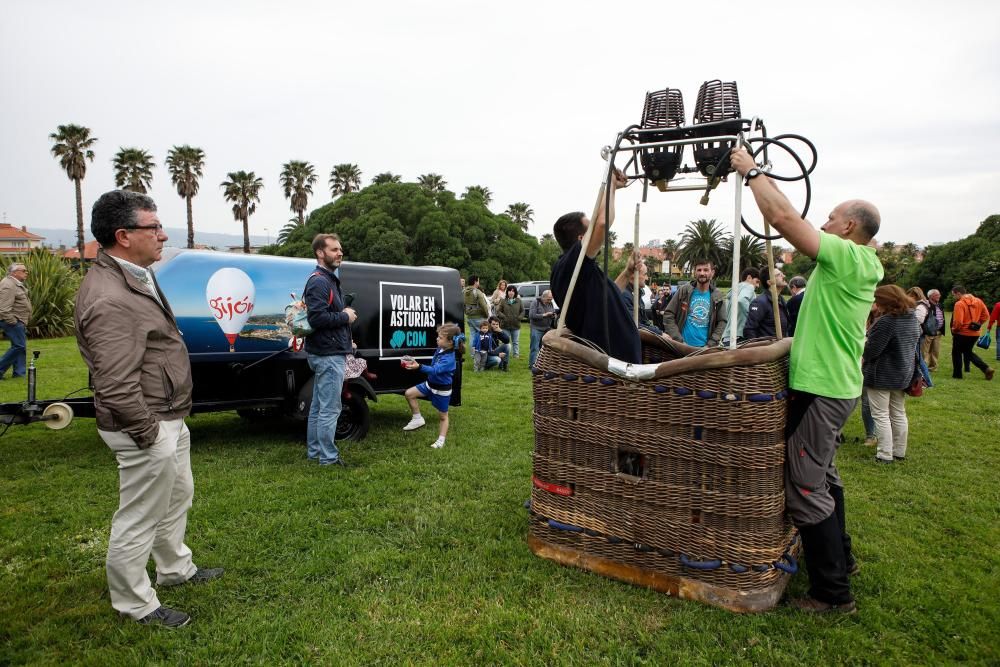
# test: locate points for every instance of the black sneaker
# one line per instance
(167, 617)
(200, 576)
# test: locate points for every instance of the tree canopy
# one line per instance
(973, 262)
(404, 223)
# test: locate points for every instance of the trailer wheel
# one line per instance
(354, 417)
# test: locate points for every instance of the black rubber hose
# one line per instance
(767, 141)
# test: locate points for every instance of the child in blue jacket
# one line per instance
(437, 387)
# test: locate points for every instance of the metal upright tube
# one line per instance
(774, 288)
(636, 294)
(734, 306)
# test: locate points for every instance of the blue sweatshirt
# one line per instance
(441, 370)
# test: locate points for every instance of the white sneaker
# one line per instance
(416, 422)
(438, 444)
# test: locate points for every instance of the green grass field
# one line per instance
(418, 556)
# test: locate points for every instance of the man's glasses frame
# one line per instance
(156, 228)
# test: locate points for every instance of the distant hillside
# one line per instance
(177, 237)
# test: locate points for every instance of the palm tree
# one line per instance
(243, 189)
(186, 164)
(521, 213)
(752, 253)
(386, 177)
(702, 239)
(133, 170)
(72, 147)
(345, 178)
(297, 178)
(480, 192)
(432, 183)
(286, 231)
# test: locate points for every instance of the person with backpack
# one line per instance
(968, 318)
(477, 306)
(327, 348)
(933, 329)
(921, 313)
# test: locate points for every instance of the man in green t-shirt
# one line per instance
(824, 376)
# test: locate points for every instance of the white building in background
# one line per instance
(17, 241)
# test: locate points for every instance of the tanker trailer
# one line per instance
(230, 309)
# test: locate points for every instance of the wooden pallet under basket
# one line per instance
(667, 474)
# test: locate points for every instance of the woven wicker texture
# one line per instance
(691, 464)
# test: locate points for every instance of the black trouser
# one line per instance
(962, 350)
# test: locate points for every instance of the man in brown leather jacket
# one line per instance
(141, 377)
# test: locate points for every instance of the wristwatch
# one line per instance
(753, 173)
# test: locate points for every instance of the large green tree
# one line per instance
(702, 239)
(521, 213)
(973, 262)
(402, 223)
(345, 178)
(243, 189)
(72, 147)
(297, 179)
(186, 165)
(133, 169)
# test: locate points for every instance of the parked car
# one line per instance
(530, 291)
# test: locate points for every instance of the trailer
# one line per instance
(230, 309)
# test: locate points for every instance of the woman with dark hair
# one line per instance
(890, 359)
(509, 312)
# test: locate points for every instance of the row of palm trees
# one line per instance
(133, 167)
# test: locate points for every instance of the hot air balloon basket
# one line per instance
(674, 482)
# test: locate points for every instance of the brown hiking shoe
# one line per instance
(814, 606)
(989, 373)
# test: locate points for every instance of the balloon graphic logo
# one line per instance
(230, 294)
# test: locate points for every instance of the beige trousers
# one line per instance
(155, 488)
(930, 348)
(888, 407)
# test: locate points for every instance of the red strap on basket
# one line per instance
(552, 488)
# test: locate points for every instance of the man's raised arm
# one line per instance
(776, 208)
(600, 228)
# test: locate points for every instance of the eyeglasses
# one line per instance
(156, 228)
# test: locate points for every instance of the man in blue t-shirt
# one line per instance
(596, 312)
(695, 314)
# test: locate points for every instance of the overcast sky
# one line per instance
(902, 99)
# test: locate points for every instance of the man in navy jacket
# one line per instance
(326, 347)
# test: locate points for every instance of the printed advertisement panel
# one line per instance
(411, 314)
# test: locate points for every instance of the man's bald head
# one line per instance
(866, 216)
(855, 219)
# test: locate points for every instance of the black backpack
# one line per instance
(930, 325)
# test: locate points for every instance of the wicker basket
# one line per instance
(668, 474)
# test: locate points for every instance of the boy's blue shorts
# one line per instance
(440, 402)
